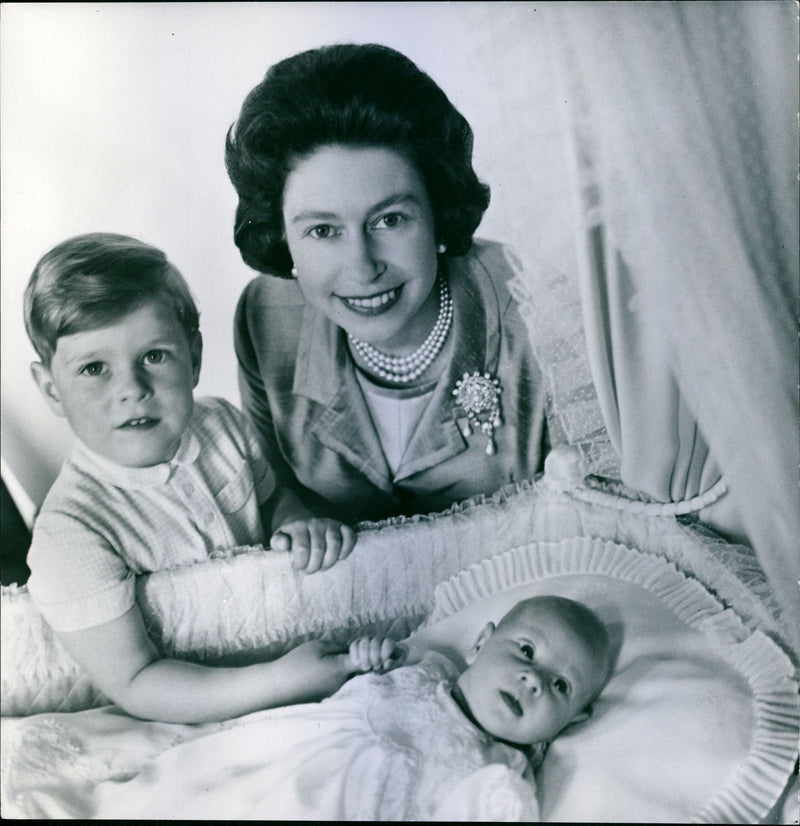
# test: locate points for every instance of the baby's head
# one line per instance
(117, 332)
(537, 670)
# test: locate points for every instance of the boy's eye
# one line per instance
(561, 685)
(94, 368)
(527, 651)
(154, 357)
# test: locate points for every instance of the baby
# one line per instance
(156, 480)
(428, 741)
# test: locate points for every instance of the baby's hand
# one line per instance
(375, 654)
(316, 544)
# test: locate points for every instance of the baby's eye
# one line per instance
(154, 357)
(391, 220)
(94, 368)
(322, 231)
(527, 650)
(561, 685)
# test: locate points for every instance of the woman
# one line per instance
(381, 355)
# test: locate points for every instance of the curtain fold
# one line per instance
(682, 131)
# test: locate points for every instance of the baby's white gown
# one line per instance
(385, 747)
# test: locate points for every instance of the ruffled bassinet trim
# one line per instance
(755, 785)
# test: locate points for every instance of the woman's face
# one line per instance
(360, 229)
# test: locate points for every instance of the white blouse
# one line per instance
(395, 413)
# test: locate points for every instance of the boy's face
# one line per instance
(126, 389)
(529, 678)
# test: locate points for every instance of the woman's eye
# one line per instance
(527, 651)
(322, 231)
(94, 368)
(391, 220)
(561, 685)
(154, 357)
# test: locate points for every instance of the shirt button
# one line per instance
(188, 488)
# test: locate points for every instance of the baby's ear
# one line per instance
(486, 632)
(47, 386)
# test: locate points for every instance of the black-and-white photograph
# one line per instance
(400, 411)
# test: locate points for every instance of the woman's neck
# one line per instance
(393, 365)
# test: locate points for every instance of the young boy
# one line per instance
(156, 480)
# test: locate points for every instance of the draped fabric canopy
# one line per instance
(682, 137)
(667, 323)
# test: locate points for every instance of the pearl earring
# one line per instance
(441, 249)
(294, 272)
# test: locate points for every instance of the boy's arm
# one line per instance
(316, 543)
(123, 663)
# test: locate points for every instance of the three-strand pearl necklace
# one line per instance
(404, 369)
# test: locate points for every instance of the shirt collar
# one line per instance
(142, 477)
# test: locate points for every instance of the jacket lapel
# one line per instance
(324, 374)
(476, 346)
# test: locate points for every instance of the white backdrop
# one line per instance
(114, 118)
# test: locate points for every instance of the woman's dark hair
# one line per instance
(363, 95)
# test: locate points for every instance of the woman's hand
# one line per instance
(375, 654)
(315, 543)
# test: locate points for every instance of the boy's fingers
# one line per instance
(280, 541)
(387, 648)
(301, 550)
(359, 653)
(315, 545)
(353, 652)
(375, 652)
(333, 546)
(348, 538)
(316, 549)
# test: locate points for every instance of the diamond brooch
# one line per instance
(479, 397)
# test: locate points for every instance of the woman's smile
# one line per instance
(373, 304)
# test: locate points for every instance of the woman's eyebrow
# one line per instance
(398, 199)
(311, 215)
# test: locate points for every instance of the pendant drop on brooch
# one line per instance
(479, 396)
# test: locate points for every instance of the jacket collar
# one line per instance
(324, 373)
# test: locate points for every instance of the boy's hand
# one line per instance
(375, 654)
(315, 543)
(320, 667)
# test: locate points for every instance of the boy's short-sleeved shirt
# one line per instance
(102, 523)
